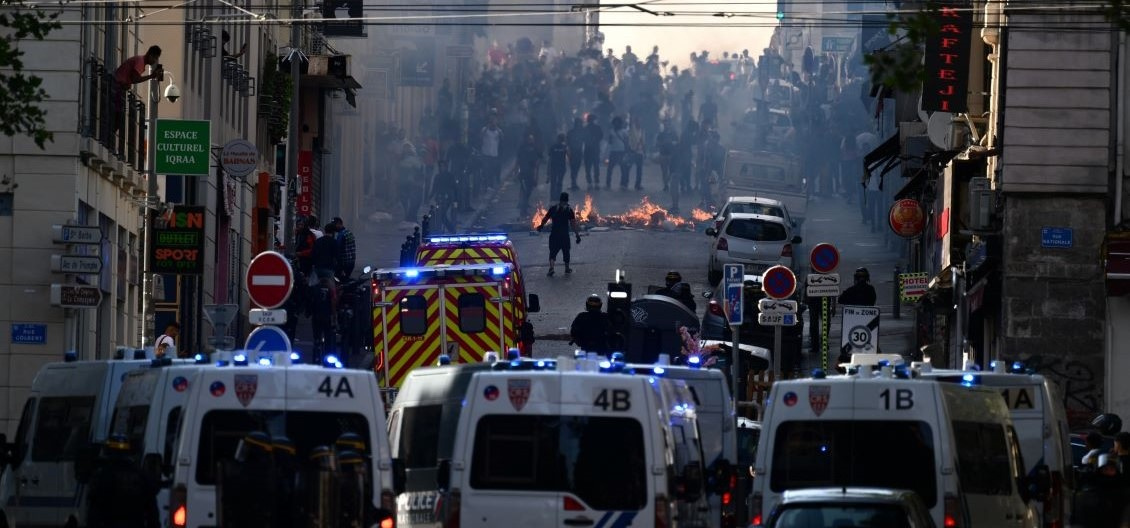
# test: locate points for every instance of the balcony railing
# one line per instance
(112, 116)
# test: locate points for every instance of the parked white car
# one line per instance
(755, 240)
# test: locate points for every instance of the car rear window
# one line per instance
(221, 431)
(600, 460)
(755, 229)
(869, 515)
(834, 453)
(756, 208)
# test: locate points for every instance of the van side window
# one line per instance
(22, 441)
(982, 458)
(172, 434)
(419, 437)
(472, 313)
(63, 428)
(600, 460)
(130, 421)
(413, 315)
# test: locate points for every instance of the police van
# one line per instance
(64, 420)
(539, 443)
(715, 414)
(312, 406)
(954, 445)
(1038, 414)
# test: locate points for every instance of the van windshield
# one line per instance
(222, 430)
(834, 453)
(599, 460)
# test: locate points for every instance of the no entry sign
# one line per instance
(269, 280)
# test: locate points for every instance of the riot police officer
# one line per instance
(243, 502)
(121, 494)
(862, 293)
(591, 328)
(677, 289)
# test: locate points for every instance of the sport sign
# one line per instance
(178, 246)
(184, 147)
(269, 280)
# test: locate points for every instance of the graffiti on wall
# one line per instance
(1080, 386)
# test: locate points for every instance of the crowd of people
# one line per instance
(535, 114)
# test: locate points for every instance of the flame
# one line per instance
(539, 213)
(587, 210)
(698, 215)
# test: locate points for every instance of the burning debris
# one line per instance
(643, 215)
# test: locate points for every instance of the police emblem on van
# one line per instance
(818, 396)
(519, 391)
(245, 387)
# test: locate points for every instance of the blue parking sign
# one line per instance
(732, 276)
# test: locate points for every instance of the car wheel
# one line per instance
(714, 277)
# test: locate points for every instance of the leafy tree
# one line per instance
(21, 93)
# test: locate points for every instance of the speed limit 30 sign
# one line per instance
(859, 330)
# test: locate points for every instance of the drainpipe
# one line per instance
(1120, 129)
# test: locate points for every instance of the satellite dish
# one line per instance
(922, 114)
(940, 129)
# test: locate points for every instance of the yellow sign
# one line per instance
(912, 286)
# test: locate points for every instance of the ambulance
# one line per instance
(311, 405)
(462, 311)
(483, 248)
(1037, 410)
(955, 445)
(64, 421)
(540, 443)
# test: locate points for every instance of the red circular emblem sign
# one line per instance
(907, 219)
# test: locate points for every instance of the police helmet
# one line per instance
(673, 277)
(349, 441)
(282, 445)
(117, 442)
(255, 442)
(513, 353)
(593, 303)
(862, 273)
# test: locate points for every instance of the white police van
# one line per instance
(717, 426)
(953, 445)
(1041, 426)
(64, 421)
(310, 405)
(539, 443)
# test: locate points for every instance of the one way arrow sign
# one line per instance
(422, 67)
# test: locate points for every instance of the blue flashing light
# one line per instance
(412, 273)
(265, 361)
(823, 449)
(884, 363)
(221, 363)
(331, 361)
(968, 380)
(605, 365)
(515, 363)
(498, 270)
(694, 361)
(651, 380)
(513, 354)
(818, 374)
(541, 363)
(295, 357)
(1017, 366)
(239, 359)
(617, 357)
(200, 359)
(658, 371)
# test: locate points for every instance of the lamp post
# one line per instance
(151, 198)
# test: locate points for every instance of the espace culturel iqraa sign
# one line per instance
(183, 146)
(178, 247)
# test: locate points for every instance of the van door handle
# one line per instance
(579, 521)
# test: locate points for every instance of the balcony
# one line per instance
(112, 117)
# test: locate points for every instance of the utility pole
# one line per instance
(148, 282)
(292, 139)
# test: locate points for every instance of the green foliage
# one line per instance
(1118, 11)
(899, 66)
(20, 93)
(278, 87)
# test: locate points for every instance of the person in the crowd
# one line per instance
(591, 328)
(563, 218)
(575, 141)
(675, 288)
(861, 293)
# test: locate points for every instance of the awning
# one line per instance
(912, 186)
(885, 155)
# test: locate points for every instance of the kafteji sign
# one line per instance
(947, 60)
(178, 248)
(183, 146)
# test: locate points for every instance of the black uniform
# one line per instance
(592, 152)
(680, 291)
(562, 217)
(590, 331)
(859, 294)
(558, 161)
(575, 139)
(121, 496)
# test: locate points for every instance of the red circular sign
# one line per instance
(778, 282)
(824, 258)
(269, 280)
(907, 219)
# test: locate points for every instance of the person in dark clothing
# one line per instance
(562, 216)
(575, 140)
(120, 494)
(558, 162)
(682, 164)
(861, 293)
(243, 481)
(528, 158)
(444, 193)
(591, 328)
(593, 137)
(325, 258)
(304, 245)
(708, 112)
(676, 289)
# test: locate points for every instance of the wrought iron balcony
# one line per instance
(113, 116)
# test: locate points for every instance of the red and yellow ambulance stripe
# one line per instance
(402, 353)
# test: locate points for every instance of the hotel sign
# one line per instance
(947, 60)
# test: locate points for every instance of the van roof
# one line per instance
(444, 270)
(465, 239)
(438, 384)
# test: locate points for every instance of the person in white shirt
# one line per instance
(491, 140)
(166, 345)
(1094, 444)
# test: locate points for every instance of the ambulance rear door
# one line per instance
(474, 319)
(406, 323)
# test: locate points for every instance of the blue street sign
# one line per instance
(1057, 237)
(733, 276)
(29, 334)
(268, 339)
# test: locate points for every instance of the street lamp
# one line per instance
(172, 93)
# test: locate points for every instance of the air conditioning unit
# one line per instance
(980, 204)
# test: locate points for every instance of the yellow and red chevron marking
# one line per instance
(454, 255)
(473, 345)
(408, 352)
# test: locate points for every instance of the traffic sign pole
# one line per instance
(825, 326)
(734, 276)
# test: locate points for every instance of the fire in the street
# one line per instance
(643, 215)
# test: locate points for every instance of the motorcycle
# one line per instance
(355, 323)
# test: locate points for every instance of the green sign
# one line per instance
(178, 242)
(183, 146)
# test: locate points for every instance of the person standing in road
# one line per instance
(559, 156)
(593, 137)
(526, 169)
(346, 248)
(862, 293)
(675, 288)
(562, 216)
(665, 143)
(617, 149)
(491, 140)
(591, 328)
(411, 189)
(166, 344)
(575, 140)
(634, 155)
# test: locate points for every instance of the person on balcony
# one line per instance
(131, 72)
